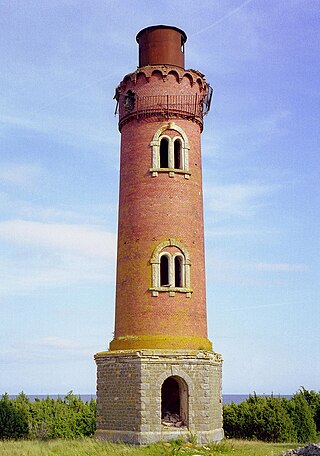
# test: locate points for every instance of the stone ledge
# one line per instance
(144, 438)
(161, 354)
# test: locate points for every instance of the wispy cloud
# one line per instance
(19, 174)
(71, 130)
(46, 349)
(82, 239)
(40, 255)
(28, 272)
(240, 200)
(252, 273)
(54, 342)
(240, 137)
(223, 18)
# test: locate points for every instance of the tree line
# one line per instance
(47, 418)
(275, 418)
(266, 418)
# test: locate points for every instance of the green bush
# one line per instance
(48, 418)
(302, 418)
(274, 419)
(313, 400)
(13, 422)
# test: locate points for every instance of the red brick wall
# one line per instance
(152, 210)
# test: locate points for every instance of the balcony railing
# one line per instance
(187, 106)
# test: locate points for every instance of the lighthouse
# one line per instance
(160, 378)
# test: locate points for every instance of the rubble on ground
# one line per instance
(313, 449)
(173, 420)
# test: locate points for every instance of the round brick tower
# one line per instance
(160, 209)
(160, 318)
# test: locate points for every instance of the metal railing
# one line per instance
(190, 106)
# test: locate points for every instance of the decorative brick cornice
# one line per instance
(150, 71)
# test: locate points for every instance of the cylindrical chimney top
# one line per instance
(161, 45)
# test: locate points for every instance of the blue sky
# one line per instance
(59, 165)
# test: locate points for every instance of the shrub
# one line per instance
(13, 422)
(48, 418)
(302, 418)
(274, 419)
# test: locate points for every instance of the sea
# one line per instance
(226, 398)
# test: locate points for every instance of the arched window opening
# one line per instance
(170, 154)
(170, 269)
(174, 402)
(178, 271)
(164, 153)
(129, 100)
(177, 154)
(164, 271)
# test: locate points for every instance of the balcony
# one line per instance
(132, 106)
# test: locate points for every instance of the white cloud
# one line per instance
(42, 255)
(60, 127)
(21, 175)
(223, 18)
(82, 239)
(24, 275)
(54, 342)
(50, 348)
(241, 200)
(253, 273)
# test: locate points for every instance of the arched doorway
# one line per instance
(174, 402)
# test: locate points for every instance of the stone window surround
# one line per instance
(155, 269)
(185, 147)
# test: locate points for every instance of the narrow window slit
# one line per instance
(178, 271)
(164, 153)
(177, 154)
(164, 271)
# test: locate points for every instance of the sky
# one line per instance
(59, 169)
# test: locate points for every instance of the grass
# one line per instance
(88, 447)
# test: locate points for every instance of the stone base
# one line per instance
(129, 397)
(145, 438)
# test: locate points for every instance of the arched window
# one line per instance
(129, 100)
(177, 154)
(170, 266)
(178, 271)
(170, 153)
(164, 270)
(164, 153)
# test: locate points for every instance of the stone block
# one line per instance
(134, 382)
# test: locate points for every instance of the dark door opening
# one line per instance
(170, 397)
(174, 402)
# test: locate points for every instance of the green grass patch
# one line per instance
(88, 447)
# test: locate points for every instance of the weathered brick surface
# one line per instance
(129, 395)
(152, 210)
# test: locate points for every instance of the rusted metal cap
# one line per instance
(161, 45)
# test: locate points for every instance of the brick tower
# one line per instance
(160, 378)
